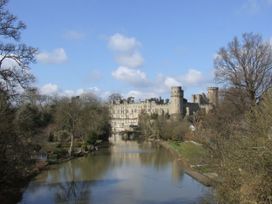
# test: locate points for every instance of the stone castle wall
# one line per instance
(125, 115)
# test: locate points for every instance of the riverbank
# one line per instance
(11, 192)
(128, 172)
(188, 154)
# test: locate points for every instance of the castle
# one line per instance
(125, 113)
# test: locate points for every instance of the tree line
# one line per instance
(238, 133)
(31, 123)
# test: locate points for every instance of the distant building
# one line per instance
(125, 113)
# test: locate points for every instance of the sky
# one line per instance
(137, 48)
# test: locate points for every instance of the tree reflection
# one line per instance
(73, 188)
(123, 173)
(77, 177)
(159, 157)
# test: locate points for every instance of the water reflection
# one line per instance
(128, 172)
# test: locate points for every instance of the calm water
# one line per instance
(126, 173)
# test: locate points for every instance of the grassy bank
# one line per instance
(190, 151)
(192, 156)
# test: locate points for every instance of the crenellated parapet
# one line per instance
(213, 95)
(176, 101)
(125, 114)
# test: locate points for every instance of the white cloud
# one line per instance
(163, 83)
(134, 77)
(9, 63)
(170, 81)
(70, 93)
(252, 6)
(57, 56)
(132, 60)
(92, 91)
(141, 94)
(121, 43)
(192, 77)
(49, 89)
(74, 35)
(255, 6)
(129, 59)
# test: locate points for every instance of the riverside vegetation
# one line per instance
(235, 138)
(229, 145)
(233, 141)
(32, 125)
(57, 129)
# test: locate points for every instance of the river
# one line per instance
(127, 172)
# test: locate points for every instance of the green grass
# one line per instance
(193, 153)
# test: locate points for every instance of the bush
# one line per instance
(61, 136)
(91, 138)
(163, 128)
(239, 147)
(60, 152)
(51, 137)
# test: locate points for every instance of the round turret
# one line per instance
(213, 95)
(176, 106)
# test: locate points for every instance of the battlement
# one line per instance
(213, 95)
(213, 88)
(125, 114)
(176, 91)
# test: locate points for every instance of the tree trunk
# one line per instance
(71, 145)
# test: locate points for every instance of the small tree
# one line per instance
(114, 97)
(68, 118)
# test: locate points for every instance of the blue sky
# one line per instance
(137, 48)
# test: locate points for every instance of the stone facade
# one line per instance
(125, 113)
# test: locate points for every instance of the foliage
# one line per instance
(15, 60)
(87, 120)
(114, 97)
(239, 147)
(60, 152)
(237, 134)
(61, 136)
(192, 152)
(14, 150)
(162, 127)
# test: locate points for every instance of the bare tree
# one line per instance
(246, 65)
(67, 116)
(15, 57)
(114, 97)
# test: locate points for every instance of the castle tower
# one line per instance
(213, 95)
(196, 98)
(176, 105)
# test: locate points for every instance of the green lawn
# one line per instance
(193, 153)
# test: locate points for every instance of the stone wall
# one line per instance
(125, 115)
